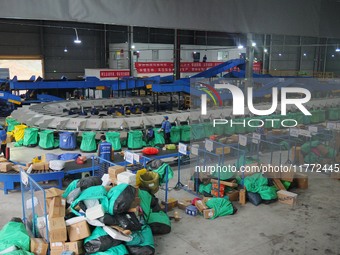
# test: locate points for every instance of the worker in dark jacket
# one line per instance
(166, 127)
(104, 149)
(3, 141)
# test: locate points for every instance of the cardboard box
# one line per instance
(41, 166)
(9, 138)
(233, 195)
(113, 171)
(225, 150)
(182, 204)
(242, 196)
(17, 168)
(335, 175)
(278, 184)
(2, 159)
(286, 197)
(271, 171)
(200, 205)
(191, 185)
(78, 231)
(56, 248)
(172, 203)
(208, 213)
(297, 155)
(57, 207)
(301, 180)
(38, 246)
(6, 167)
(57, 230)
(76, 247)
(234, 138)
(287, 176)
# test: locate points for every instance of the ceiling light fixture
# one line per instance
(65, 49)
(77, 41)
(265, 50)
(253, 44)
(305, 54)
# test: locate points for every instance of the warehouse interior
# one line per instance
(169, 127)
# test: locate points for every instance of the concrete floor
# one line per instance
(311, 227)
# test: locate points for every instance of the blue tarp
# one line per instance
(69, 156)
(67, 141)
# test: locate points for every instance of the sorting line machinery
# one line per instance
(55, 115)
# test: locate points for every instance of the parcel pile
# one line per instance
(91, 218)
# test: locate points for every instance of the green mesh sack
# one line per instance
(314, 117)
(116, 250)
(311, 158)
(119, 199)
(239, 128)
(175, 134)
(229, 129)
(221, 206)
(14, 234)
(253, 183)
(88, 142)
(72, 186)
(331, 153)
(30, 137)
(285, 145)
(268, 192)
(205, 188)
(142, 242)
(307, 119)
(197, 131)
(159, 137)
(114, 139)
(135, 139)
(162, 172)
(208, 129)
(99, 241)
(322, 115)
(19, 143)
(94, 192)
(286, 184)
(306, 147)
(56, 143)
(46, 139)
(11, 123)
(249, 128)
(185, 133)
(219, 129)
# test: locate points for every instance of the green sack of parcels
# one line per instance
(205, 188)
(116, 250)
(331, 153)
(162, 171)
(119, 198)
(46, 139)
(221, 206)
(268, 192)
(159, 221)
(175, 134)
(72, 186)
(311, 158)
(114, 139)
(253, 183)
(14, 234)
(99, 241)
(149, 181)
(94, 192)
(88, 142)
(142, 242)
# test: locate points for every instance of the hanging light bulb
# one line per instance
(77, 41)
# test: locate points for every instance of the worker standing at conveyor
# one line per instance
(104, 151)
(166, 127)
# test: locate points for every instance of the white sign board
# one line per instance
(331, 125)
(313, 129)
(24, 178)
(256, 138)
(294, 132)
(194, 149)
(136, 157)
(182, 148)
(305, 133)
(242, 140)
(209, 145)
(129, 157)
